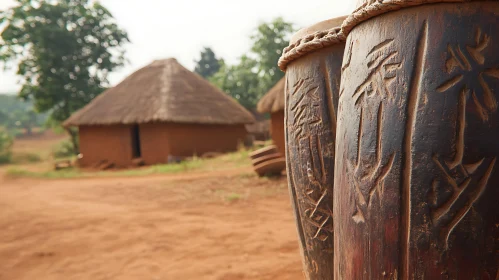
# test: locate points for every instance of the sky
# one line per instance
(161, 29)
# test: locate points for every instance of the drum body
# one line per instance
(312, 91)
(416, 172)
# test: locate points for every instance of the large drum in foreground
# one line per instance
(313, 63)
(416, 175)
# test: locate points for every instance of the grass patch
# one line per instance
(17, 172)
(248, 175)
(237, 159)
(185, 166)
(234, 160)
(233, 197)
(25, 157)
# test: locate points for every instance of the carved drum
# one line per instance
(416, 175)
(313, 68)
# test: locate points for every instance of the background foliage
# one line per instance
(5, 147)
(257, 71)
(208, 64)
(16, 114)
(64, 50)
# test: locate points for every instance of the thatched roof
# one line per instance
(273, 101)
(163, 91)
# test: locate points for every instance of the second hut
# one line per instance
(273, 103)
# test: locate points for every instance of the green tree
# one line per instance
(208, 64)
(269, 40)
(257, 71)
(240, 81)
(65, 50)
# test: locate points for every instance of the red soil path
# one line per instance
(161, 227)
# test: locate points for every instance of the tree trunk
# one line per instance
(73, 134)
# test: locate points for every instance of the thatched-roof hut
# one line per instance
(273, 103)
(161, 111)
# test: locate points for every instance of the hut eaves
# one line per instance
(273, 101)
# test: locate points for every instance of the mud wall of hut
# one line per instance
(158, 142)
(161, 140)
(277, 130)
(111, 143)
(154, 143)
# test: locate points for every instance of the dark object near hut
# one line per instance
(161, 111)
(265, 158)
(270, 168)
(272, 149)
(104, 165)
(210, 155)
(268, 161)
(313, 68)
(416, 179)
(260, 130)
(138, 162)
(62, 164)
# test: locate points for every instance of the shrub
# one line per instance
(233, 197)
(5, 147)
(21, 157)
(64, 149)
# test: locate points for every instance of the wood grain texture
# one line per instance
(312, 92)
(416, 174)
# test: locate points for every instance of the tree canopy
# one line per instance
(208, 64)
(269, 40)
(240, 81)
(256, 72)
(65, 50)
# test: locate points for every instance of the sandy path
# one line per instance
(160, 227)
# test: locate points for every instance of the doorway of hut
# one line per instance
(136, 152)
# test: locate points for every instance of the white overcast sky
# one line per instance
(180, 28)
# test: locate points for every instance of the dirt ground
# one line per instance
(225, 225)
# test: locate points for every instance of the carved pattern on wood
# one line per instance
(369, 181)
(302, 107)
(459, 176)
(307, 124)
(371, 8)
(462, 65)
(383, 63)
(348, 55)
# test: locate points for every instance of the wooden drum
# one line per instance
(416, 174)
(313, 67)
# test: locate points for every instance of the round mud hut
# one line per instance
(161, 112)
(273, 103)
